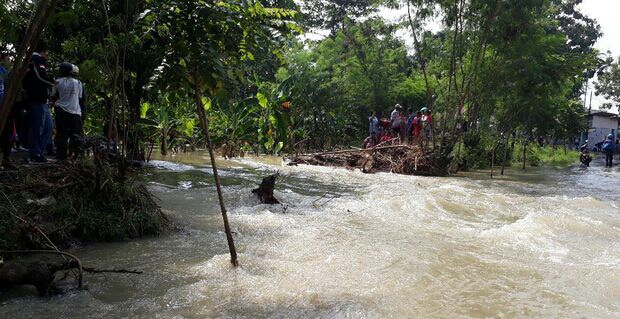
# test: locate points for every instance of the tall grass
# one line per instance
(548, 156)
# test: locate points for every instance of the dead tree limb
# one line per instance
(265, 190)
(91, 270)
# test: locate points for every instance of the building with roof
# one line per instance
(601, 124)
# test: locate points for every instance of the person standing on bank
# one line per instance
(37, 85)
(68, 96)
(373, 127)
(396, 119)
(608, 147)
(7, 134)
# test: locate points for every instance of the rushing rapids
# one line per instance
(540, 243)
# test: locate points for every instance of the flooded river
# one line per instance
(540, 243)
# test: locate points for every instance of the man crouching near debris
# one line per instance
(68, 95)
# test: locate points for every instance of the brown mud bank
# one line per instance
(49, 207)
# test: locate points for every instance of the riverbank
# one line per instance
(51, 206)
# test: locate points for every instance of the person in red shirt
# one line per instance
(416, 125)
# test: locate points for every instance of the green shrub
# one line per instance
(77, 202)
(537, 156)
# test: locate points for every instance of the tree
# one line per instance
(500, 65)
(608, 84)
(332, 15)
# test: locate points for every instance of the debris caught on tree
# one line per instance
(400, 159)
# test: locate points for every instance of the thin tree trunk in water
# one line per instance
(492, 161)
(505, 153)
(205, 128)
(20, 67)
(524, 151)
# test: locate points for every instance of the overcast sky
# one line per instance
(606, 13)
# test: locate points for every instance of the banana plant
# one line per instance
(274, 123)
(171, 117)
(236, 122)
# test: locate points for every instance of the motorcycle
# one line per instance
(584, 157)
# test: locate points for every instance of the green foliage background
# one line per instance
(499, 68)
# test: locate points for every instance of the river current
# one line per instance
(539, 243)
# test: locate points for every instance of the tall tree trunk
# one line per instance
(418, 49)
(205, 128)
(505, 153)
(524, 152)
(164, 143)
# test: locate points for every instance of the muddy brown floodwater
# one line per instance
(540, 243)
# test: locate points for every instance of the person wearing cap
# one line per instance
(608, 147)
(37, 85)
(585, 157)
(67, 95)
(75, 73)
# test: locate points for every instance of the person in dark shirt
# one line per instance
(7, 134)
(608, 147)
(37, 85)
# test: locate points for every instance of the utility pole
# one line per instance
(588, 118)
(584, 135)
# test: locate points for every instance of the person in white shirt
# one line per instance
(68, 94)
(396, 119)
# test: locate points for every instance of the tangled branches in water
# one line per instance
(400, 159)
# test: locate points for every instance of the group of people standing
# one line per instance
(408, 127)
(41, 92)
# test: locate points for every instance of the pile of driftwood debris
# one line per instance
(398, 158)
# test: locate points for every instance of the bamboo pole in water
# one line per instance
(205, 128)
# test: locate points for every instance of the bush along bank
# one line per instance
(66, 204)
(545, 156)
(481, 152)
